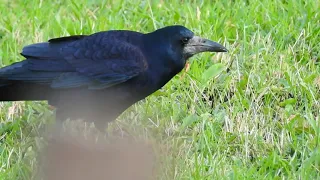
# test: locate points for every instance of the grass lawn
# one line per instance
(255, 118)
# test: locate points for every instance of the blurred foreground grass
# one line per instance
(260, 120)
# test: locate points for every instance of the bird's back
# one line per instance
(80, 75)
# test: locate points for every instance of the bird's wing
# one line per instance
(97, 61)
(106, 59)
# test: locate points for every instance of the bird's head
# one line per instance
(181, 42)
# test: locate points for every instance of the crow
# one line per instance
(97, 77)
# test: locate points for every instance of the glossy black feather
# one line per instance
(69, 70)
(95, 77)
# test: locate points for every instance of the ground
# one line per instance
(252, 113)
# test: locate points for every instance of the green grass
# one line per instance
(258, 120)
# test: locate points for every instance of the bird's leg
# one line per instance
(101, 125)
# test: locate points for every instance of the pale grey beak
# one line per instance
(197, 45)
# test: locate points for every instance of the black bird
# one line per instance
(96, 77)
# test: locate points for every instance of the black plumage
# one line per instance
(97, 77)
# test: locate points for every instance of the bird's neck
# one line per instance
(163, 61)
(158, 73)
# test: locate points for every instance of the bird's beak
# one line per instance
(197, 45)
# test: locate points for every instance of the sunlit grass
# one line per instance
(259, 119)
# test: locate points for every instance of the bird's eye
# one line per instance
(184, 40)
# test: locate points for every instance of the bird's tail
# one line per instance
(3, 90)
(19, 91)
(13, 87)
(10, 92)
(6, 90)
(4, 83)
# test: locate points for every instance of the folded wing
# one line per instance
(97, 61)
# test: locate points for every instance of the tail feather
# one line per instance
(4, 83)
(10, 91)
